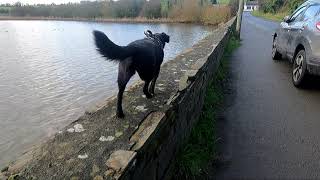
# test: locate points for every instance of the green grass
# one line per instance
(275, 17)
(200, 148)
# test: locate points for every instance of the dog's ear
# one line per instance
(166, 37)
(148, 33)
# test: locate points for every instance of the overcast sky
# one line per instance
(37, 1)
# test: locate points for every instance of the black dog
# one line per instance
(144, 56)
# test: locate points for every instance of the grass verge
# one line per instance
(200, 148)
(275, 17)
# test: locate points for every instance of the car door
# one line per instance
(294, 29)
(308, 34)
(285, 30)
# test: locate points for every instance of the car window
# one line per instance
(296, 16)
(311, 12)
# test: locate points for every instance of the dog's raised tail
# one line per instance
(108, 49)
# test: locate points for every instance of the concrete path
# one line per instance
(271, 130)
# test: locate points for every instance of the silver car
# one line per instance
(298, 39)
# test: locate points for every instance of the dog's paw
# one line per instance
(120, 115)
(149, 96)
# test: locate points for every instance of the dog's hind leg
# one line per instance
(153, 82)
(146, 89)
(126, 71)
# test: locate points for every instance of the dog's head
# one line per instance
(165, 37)
(162, 36)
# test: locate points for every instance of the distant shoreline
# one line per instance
(117, 20)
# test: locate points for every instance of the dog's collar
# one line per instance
(157, 40)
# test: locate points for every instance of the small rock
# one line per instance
(98, 178)
(2, 176)
(109, 173)
(160, 84)
(118, 160)
(104, 139)
(174, 72)
(84, 156)
(95, 170)
(78, 128)
(74, 178)
(183, 70)
(118, 134)
(144, 96)
(110, 138)
(141, 108)
(126, 126)
(13, 177)
(5, 169)
(70, 130)
(177, 80)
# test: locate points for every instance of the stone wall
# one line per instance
(159, 142)
(144, 144)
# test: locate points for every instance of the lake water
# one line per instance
(50, 73)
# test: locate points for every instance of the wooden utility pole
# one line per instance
(239, 18)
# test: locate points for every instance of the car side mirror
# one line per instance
(286, 19)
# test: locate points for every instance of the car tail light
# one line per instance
(318, 25)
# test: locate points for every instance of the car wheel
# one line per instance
(299, 69)
(275, 53)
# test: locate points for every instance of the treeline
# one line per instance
(185, 10)
(275, 6)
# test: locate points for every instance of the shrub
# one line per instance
(294, 4)
(213, 15)
(187, 11)
(272, 6)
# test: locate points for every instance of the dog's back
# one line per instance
(147, 58)
(144, 56)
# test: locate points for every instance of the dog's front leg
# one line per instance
(152, 86)
(120, 113)
(146, 89)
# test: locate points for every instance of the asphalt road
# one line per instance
(271, 130)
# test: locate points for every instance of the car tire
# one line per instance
(276, 55)
(299, 69)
